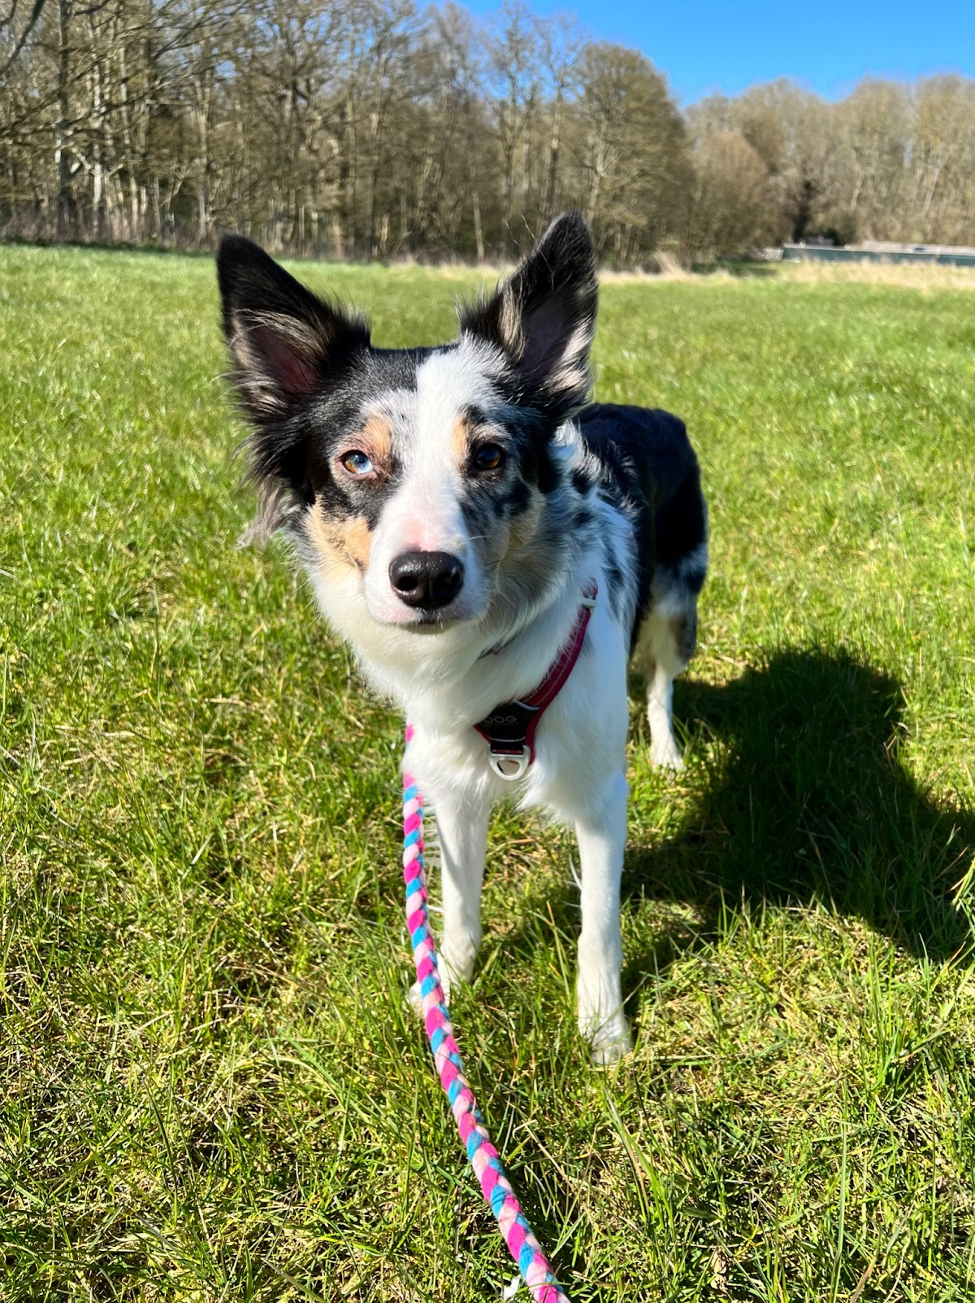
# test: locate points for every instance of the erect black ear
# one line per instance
(284, 340)
(543, 318)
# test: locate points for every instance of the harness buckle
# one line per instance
(509, 766)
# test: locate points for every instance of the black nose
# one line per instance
(426, 579)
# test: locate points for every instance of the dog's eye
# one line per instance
(488, 457)
(356, 462)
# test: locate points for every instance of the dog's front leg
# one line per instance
(462, 820)
(601, 837)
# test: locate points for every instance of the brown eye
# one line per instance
(356, 462)
(488, 457)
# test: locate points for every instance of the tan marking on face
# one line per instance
(378, 438)
(511, 542)
(357, 541)
(461, 433)
(514, 549)
(339, 545)
(375, 438)
(522, 532)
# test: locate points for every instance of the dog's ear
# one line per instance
(543, 318)
(284, 340)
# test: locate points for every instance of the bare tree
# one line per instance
(728, 204)
(516, 67)
(633, 152)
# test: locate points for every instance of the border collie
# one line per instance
(494, 549)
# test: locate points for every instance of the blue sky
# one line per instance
(710, 46)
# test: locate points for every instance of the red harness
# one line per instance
(511, 727)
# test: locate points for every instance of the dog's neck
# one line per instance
(453, 678)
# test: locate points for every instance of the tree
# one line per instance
(633, 152)
(729, 202)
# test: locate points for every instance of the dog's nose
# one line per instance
(426, 579)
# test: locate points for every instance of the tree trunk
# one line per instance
(67, 211)
(554, 167)
(477, 219)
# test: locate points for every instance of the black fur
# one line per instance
(293, 353)
(648, 466)
(542, 319)
(306, 371)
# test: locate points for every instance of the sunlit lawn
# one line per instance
(210, 1086)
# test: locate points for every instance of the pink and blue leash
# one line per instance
(482, 1154)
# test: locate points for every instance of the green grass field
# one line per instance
(210, 1085)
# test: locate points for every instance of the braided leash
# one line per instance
(482, 1154)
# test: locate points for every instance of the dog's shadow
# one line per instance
(795, 792)
(803, 797)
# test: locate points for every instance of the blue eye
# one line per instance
(488, 457)
(356, 462)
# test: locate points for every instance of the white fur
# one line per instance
(577, 777)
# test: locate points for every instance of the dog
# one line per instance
(495, 549)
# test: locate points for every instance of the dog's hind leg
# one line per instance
(669, 640)
(665, 647)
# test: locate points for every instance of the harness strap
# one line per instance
(510, 730)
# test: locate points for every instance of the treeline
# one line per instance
(372, 129)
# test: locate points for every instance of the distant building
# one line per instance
(822, 249)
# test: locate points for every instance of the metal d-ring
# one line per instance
(508, 766)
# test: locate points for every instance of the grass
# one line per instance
(211, 1087)
(917, 276)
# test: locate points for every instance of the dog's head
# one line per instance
(422, 485)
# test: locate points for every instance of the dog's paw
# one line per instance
(456, 960)
(666, 756)
(607, 1034)
(415, 1000)
(455, 967)
(609, 1042)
